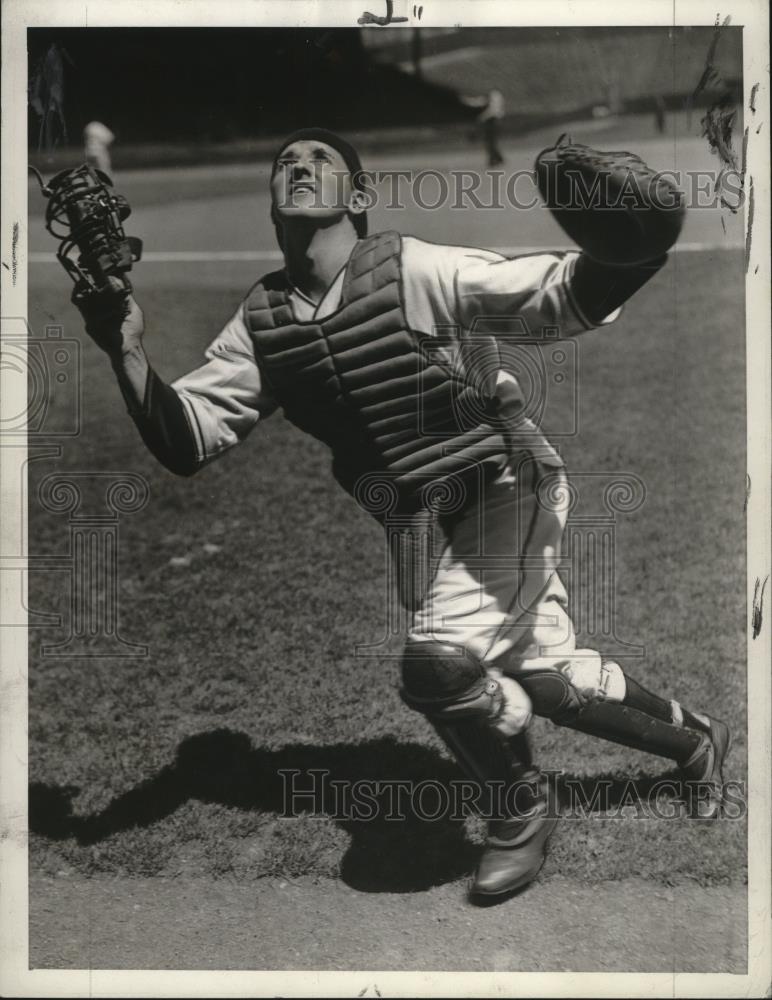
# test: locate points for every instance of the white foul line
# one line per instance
(226, 256)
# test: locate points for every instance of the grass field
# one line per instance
(252, 583)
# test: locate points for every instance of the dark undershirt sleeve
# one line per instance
(163, 425)
(599, 289)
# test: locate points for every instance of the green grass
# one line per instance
(166, 765)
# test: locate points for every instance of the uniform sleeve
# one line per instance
(464, 287)
(536, 289)
(226, 396)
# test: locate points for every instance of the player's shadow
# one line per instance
(400, 854)
(397, 850)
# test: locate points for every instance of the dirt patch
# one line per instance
(322, 924)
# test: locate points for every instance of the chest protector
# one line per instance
(360, 381)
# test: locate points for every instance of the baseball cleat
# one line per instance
(704, 779)
(515, 851)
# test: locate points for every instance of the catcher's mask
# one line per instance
(350, 158)
(86, 215)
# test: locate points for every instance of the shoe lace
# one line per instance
(604, 161)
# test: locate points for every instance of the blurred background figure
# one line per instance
(46, 96)
(97, 139)
(493, 109)
(659, 113)
(491, 118)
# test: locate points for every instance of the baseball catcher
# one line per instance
(341, 339)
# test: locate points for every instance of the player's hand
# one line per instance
(113, 319)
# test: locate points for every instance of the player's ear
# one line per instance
(359, 202)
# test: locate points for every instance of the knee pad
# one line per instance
(559, 694)
(551, 693)
(477, 715)
(436, 672)
(444, 681)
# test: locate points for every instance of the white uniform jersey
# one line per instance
(447, 289)
(494, 107)
(97, 139)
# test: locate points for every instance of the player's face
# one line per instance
(311, 181)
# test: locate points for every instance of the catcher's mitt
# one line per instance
(615, 207)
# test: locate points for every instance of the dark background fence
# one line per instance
(219, 85)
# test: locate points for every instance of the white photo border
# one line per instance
(16, 979)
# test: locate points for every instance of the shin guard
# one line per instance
(465, 707)
(611, 720)
(555, 698)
